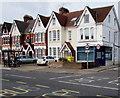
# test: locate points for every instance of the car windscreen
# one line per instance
(41, 58)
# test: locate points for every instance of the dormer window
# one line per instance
(86, 18)
(53, 21)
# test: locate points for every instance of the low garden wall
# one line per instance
(73, 65)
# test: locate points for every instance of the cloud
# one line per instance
(16, 10)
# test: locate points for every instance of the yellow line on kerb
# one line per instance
(21, 82)
(103, 96)
(43, 86)
(5, 79)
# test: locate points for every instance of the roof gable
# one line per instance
(22, 26)
(44, 20)
(7, 26)
(61, 18)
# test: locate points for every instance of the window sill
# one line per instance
(90, 40)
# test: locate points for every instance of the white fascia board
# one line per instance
(33, 29)
(35, 24)
(49, 21)
(14, 23)
(47, 27)
(28, 48)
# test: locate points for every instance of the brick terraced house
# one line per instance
(67, 33)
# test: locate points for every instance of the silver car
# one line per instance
(45, 60)
(25, 59)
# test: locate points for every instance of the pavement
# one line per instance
(46, 69)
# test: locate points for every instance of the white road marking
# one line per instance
(114, 82)
(90, 85)
(64, 77)
(22, 76)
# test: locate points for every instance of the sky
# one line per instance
(15, 10)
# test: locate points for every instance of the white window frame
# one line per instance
(35, 37)
(69, 35)
(92, 32)
(86, 18)
(50, 35)
(85, 33)
(58, 35)
(53, 21)
(54, 35)
(81, 34)
(39, 37)
(54, 51)
(58, 49)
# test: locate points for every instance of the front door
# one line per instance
(30, 53)
(66, 53)
(100, 56)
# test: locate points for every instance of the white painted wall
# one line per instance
(15, 32)
(40, 28)
(109, 39)
(119, 11)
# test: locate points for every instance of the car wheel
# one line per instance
(20, 62)
(47, 63)
(34, 61)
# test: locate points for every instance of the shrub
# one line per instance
(63, 60)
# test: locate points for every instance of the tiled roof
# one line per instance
(98, 14)
(30, 26)
(44, 20)
(22, 26)
(71, 16)
(101, 13)
(61, 18)
(7, 25)
(70, 46)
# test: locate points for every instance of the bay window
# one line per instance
(81, 33)
(92, 32)
(58, 34)
(86, 31)
(50, 36)
(54, 35)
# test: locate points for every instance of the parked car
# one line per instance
(25, 59)
(45, 60)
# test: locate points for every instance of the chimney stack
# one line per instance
(63, 10)
(27, 18)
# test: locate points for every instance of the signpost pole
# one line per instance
(87, 51)
(87, 59)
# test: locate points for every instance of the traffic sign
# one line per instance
(98, 46)
(87, 47)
